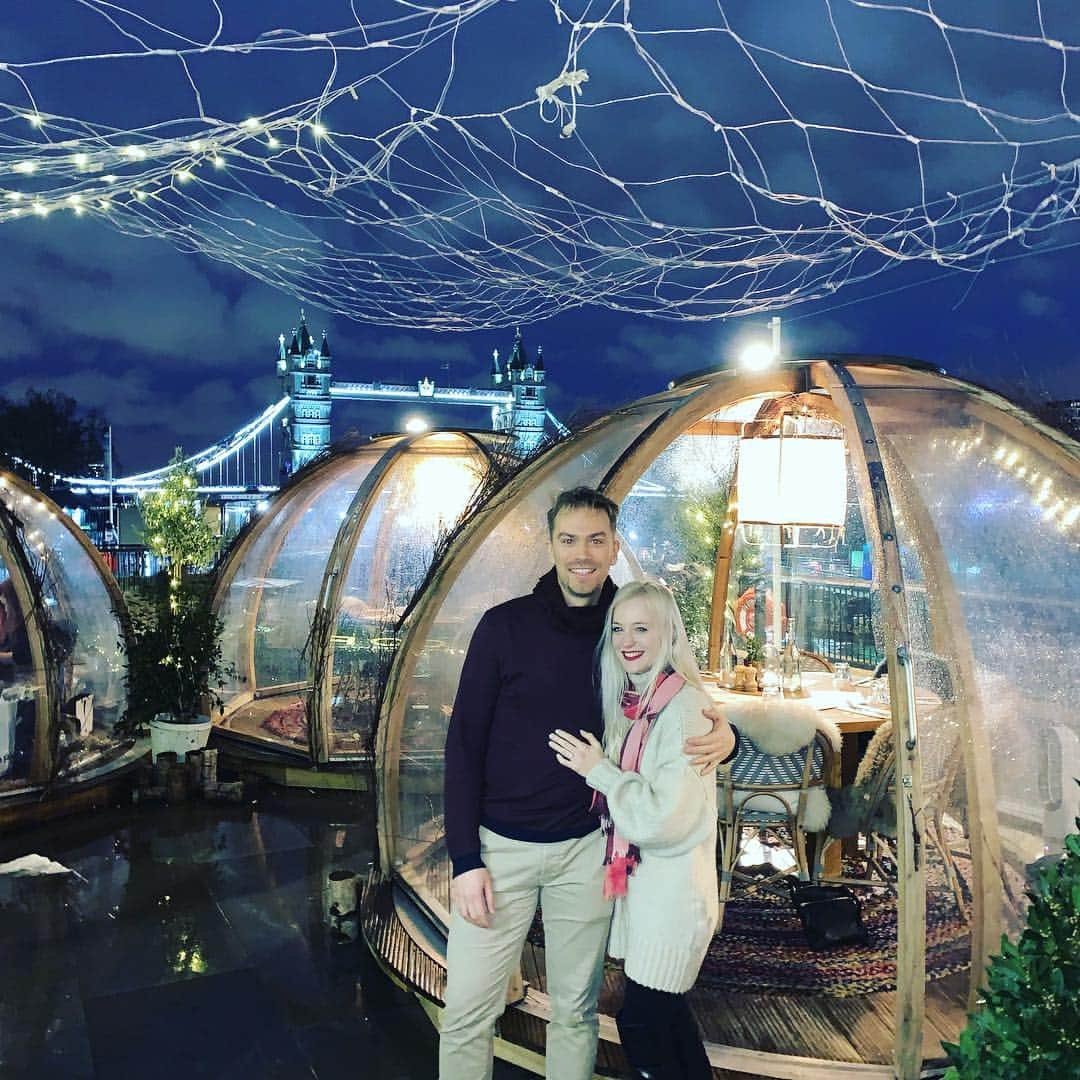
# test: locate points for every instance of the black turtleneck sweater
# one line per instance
(529, 670)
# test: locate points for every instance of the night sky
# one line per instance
(179, 348)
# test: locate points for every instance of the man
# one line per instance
(518, 826)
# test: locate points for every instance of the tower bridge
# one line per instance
(251, 463)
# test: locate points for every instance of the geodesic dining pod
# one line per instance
(940, 537)
(62, 665)
(311, 592)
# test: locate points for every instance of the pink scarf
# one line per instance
(620, 857)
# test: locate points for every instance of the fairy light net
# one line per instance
(472, 165)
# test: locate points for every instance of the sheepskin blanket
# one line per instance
(780, 729)
(780, 725)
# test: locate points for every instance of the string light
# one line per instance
(617, 180)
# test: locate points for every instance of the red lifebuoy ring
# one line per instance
(744, 612)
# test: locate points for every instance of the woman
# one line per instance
(659, 818)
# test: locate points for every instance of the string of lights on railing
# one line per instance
(622, 179)
(1010, 459)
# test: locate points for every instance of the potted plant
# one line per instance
(175, 667)
(175, 661)
(755, 653)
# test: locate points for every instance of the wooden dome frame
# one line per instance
(388, 452)
(838, 384)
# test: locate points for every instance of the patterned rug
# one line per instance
(761, 948)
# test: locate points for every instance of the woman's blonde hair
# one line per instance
(675, 654)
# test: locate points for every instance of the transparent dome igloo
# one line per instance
(62, 664)
(952, 556)
(312, 591)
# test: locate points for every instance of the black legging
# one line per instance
(660, 1036)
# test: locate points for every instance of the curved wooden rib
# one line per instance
(878, 519)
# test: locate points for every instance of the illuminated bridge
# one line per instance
(252, 461)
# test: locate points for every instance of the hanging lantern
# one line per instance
(792, 479)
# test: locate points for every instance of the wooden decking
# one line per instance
(819, 1036)
(852, 1029)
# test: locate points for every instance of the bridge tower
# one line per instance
(524, 416)
(304, 372)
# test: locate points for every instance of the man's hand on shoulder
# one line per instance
(709, 750)
(473, 895)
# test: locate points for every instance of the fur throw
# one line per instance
(782, 726)
(853, 811)
(876, 755)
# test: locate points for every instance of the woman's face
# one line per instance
(635, 635)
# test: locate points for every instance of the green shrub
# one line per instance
(1029, 1024)
(174, 651)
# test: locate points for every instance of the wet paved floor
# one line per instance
(197, 947)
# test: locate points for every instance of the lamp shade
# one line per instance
(796, 480)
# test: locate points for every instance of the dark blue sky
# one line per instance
(824, 107)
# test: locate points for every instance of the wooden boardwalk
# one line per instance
(830, 1031)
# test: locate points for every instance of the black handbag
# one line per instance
(830, 915)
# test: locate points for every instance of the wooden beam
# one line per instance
(722, 575)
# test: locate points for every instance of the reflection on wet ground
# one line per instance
(193, 944)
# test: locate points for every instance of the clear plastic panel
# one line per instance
(672, 520)
(87, 635)
(988, 510)
(18, 706)
(424, 496)
(895, 376)
(511, 557)
(269, 606)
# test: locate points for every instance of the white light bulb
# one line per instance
(757, 356)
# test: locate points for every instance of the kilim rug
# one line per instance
(761, 948)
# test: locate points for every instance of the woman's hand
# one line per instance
(581, 755)
(715, 746)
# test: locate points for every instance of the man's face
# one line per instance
(584, 549)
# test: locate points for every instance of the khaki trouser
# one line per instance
(567, 880)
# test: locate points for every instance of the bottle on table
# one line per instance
(728, 660)
(791, 664)
(771, 675)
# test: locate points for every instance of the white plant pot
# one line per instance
(166, 735)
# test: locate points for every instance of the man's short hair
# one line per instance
(582, 498)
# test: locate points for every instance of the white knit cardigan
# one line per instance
(663, 926)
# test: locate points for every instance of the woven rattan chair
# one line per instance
(812, 661)
(768, 793)
(874, 808)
